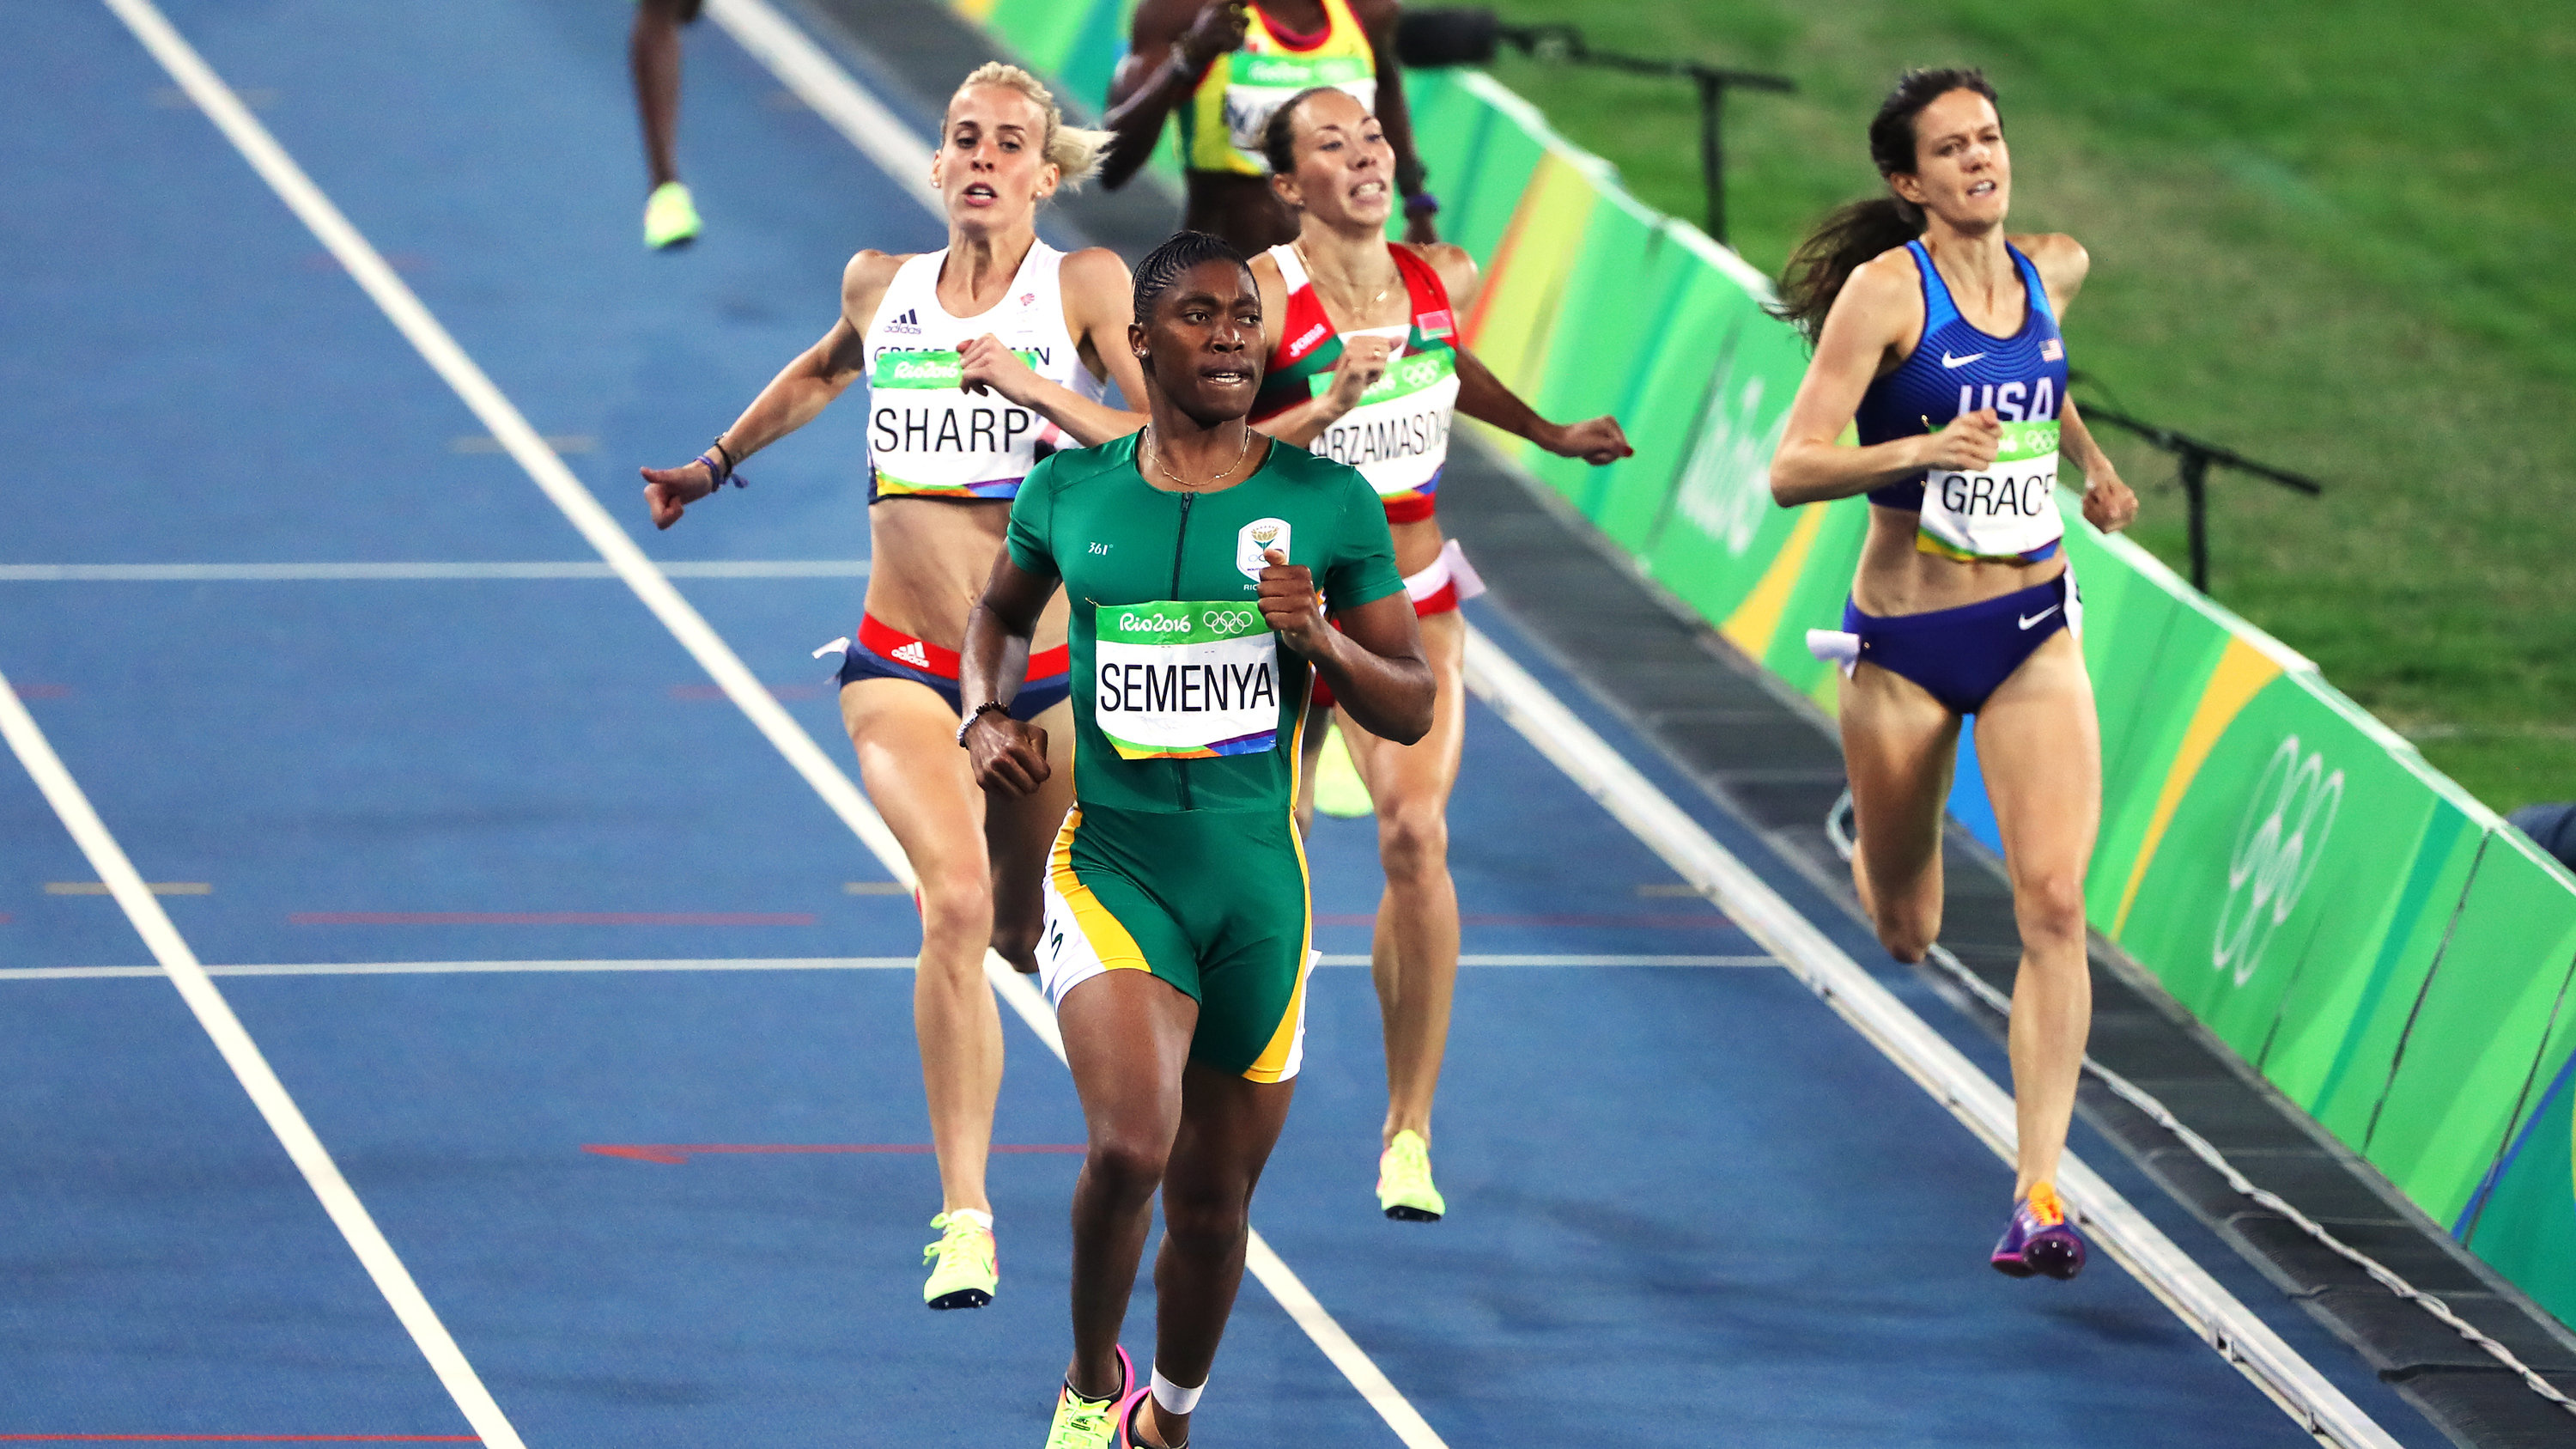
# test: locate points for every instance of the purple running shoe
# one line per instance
(2039, 1239)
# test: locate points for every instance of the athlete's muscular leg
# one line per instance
(1228, 1126)
(1414, 953)
(906, 738)
(1019, 833)
(1899, 746)
(653, 49)
(2040, 747)
(1127, 1038)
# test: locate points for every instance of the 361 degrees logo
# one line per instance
(2277, 849)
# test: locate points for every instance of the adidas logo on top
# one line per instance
(911, 652)
(910, 322)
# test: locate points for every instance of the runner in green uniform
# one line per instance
(1178, 922)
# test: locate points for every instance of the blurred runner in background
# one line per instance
(670, 217)
(1223, 67)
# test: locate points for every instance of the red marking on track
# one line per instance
(1669, 921)
(674, 1154)
(43, 691)
(239, 1439)
(551, 918)
(716, 691)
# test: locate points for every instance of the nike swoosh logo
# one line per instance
(1948, 361)
(2042, 614)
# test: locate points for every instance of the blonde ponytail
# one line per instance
(1074, 151)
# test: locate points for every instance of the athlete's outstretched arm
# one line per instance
(1482, 396)
(1877, 314)
(1170, 45)
(1374, 661)
(1098, 304)
(2108, 503)
(1007, 754)
(800, 391)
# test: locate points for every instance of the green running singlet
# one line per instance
(1180, 857)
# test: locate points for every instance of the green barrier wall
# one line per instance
(2379, 945)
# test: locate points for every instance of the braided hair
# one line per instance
(1165, 265)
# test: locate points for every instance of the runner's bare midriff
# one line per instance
(1897, 579)
(929, 561)
(1417, 545)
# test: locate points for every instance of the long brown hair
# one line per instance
(1857, 231)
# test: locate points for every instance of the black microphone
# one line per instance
(1444, 36)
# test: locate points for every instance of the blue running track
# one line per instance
(1690, 1206)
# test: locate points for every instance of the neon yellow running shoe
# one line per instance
(1404, 1181)
(1082, 1423)
(968, 1270)
(1339, 790)
(670, 217)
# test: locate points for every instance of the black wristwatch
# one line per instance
(987, 707)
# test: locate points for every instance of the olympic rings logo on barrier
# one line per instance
(2277, 850)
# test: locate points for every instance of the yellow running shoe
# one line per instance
(1339, 790)
(670, 217)
(1404, 1181)
(1082, 1423)
(967, 1271)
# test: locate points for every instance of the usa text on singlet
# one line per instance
(1398, 436)
(2007, 512)
(930, 438)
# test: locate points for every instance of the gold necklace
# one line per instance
(1299, 247)
(1186, 485)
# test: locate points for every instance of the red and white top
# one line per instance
(1398, 436)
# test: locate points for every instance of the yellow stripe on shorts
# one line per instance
(1108, 940)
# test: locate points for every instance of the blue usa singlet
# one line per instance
(2006, 513)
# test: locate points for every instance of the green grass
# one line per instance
(2336, 237)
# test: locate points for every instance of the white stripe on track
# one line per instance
(249, 1067)
(833, 93)
(261, 573)
(1957, 1083)
(822, 84)
(746, 963)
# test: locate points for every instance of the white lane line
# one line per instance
(746, 963)
(261, 573)
(822, 84)
(249, 1067)
(1957, 1083)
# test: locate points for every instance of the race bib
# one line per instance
(2002, 513)
(1398, 436)
(931, 369)
(1259, 84)
(1185, 681)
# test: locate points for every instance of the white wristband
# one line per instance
(1174, 1399)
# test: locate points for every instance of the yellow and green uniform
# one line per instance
(1222, 124)
(1180, 856)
